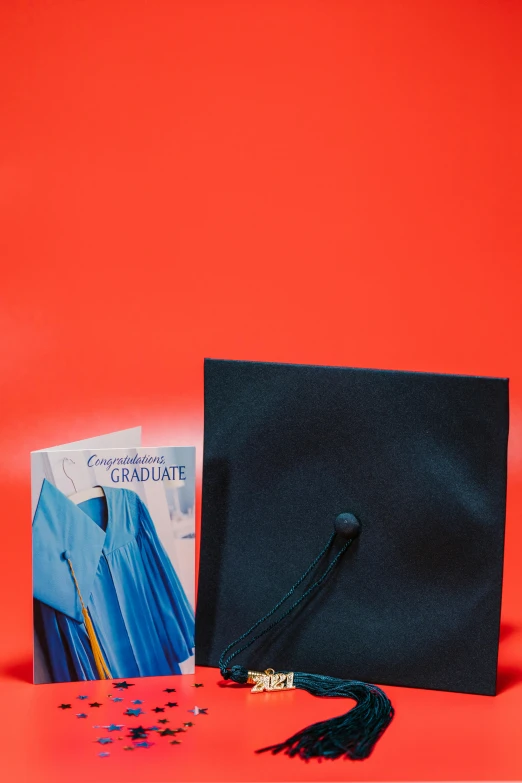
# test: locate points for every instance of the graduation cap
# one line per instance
(67, 548)
(352, 528)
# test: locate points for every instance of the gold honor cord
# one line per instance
(99, 660)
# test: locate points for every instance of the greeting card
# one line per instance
(113, 540)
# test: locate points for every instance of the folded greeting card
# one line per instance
(113, 559)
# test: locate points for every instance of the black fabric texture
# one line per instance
(418, 458)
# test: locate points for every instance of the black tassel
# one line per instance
(352, 735)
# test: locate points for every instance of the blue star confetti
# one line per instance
(138, 735)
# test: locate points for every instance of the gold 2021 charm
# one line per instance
(269, 680)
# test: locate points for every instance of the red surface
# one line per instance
(319, 182)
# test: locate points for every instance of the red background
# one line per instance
(320, 182)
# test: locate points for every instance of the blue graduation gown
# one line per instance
(142, 617)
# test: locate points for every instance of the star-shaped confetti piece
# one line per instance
(135, 713)
(171, 704)
(189, 724)
(103, 754)
(123, 685)
(104, 740)
(144, 744)
(116, 698)
(175, 742)
(163, 720)
(64, 706)
(95, 704)
(197, 685)
(153, 728)
(81, 715)
(199, 710)
(114, 727)
(128, 747)
(158, 709)
(167, 733)
(169, 690)
(82, 697)
(137, 701)
(138, 732)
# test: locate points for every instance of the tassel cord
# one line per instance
(99, 661)
(352, 735)
(223, 662)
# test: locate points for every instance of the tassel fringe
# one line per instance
(99, 660)
(352, 735)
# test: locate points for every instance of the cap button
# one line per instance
(347, 525)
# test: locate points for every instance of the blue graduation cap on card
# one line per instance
(67, 546)
(62, 533)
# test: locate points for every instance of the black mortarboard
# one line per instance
(418, 458)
